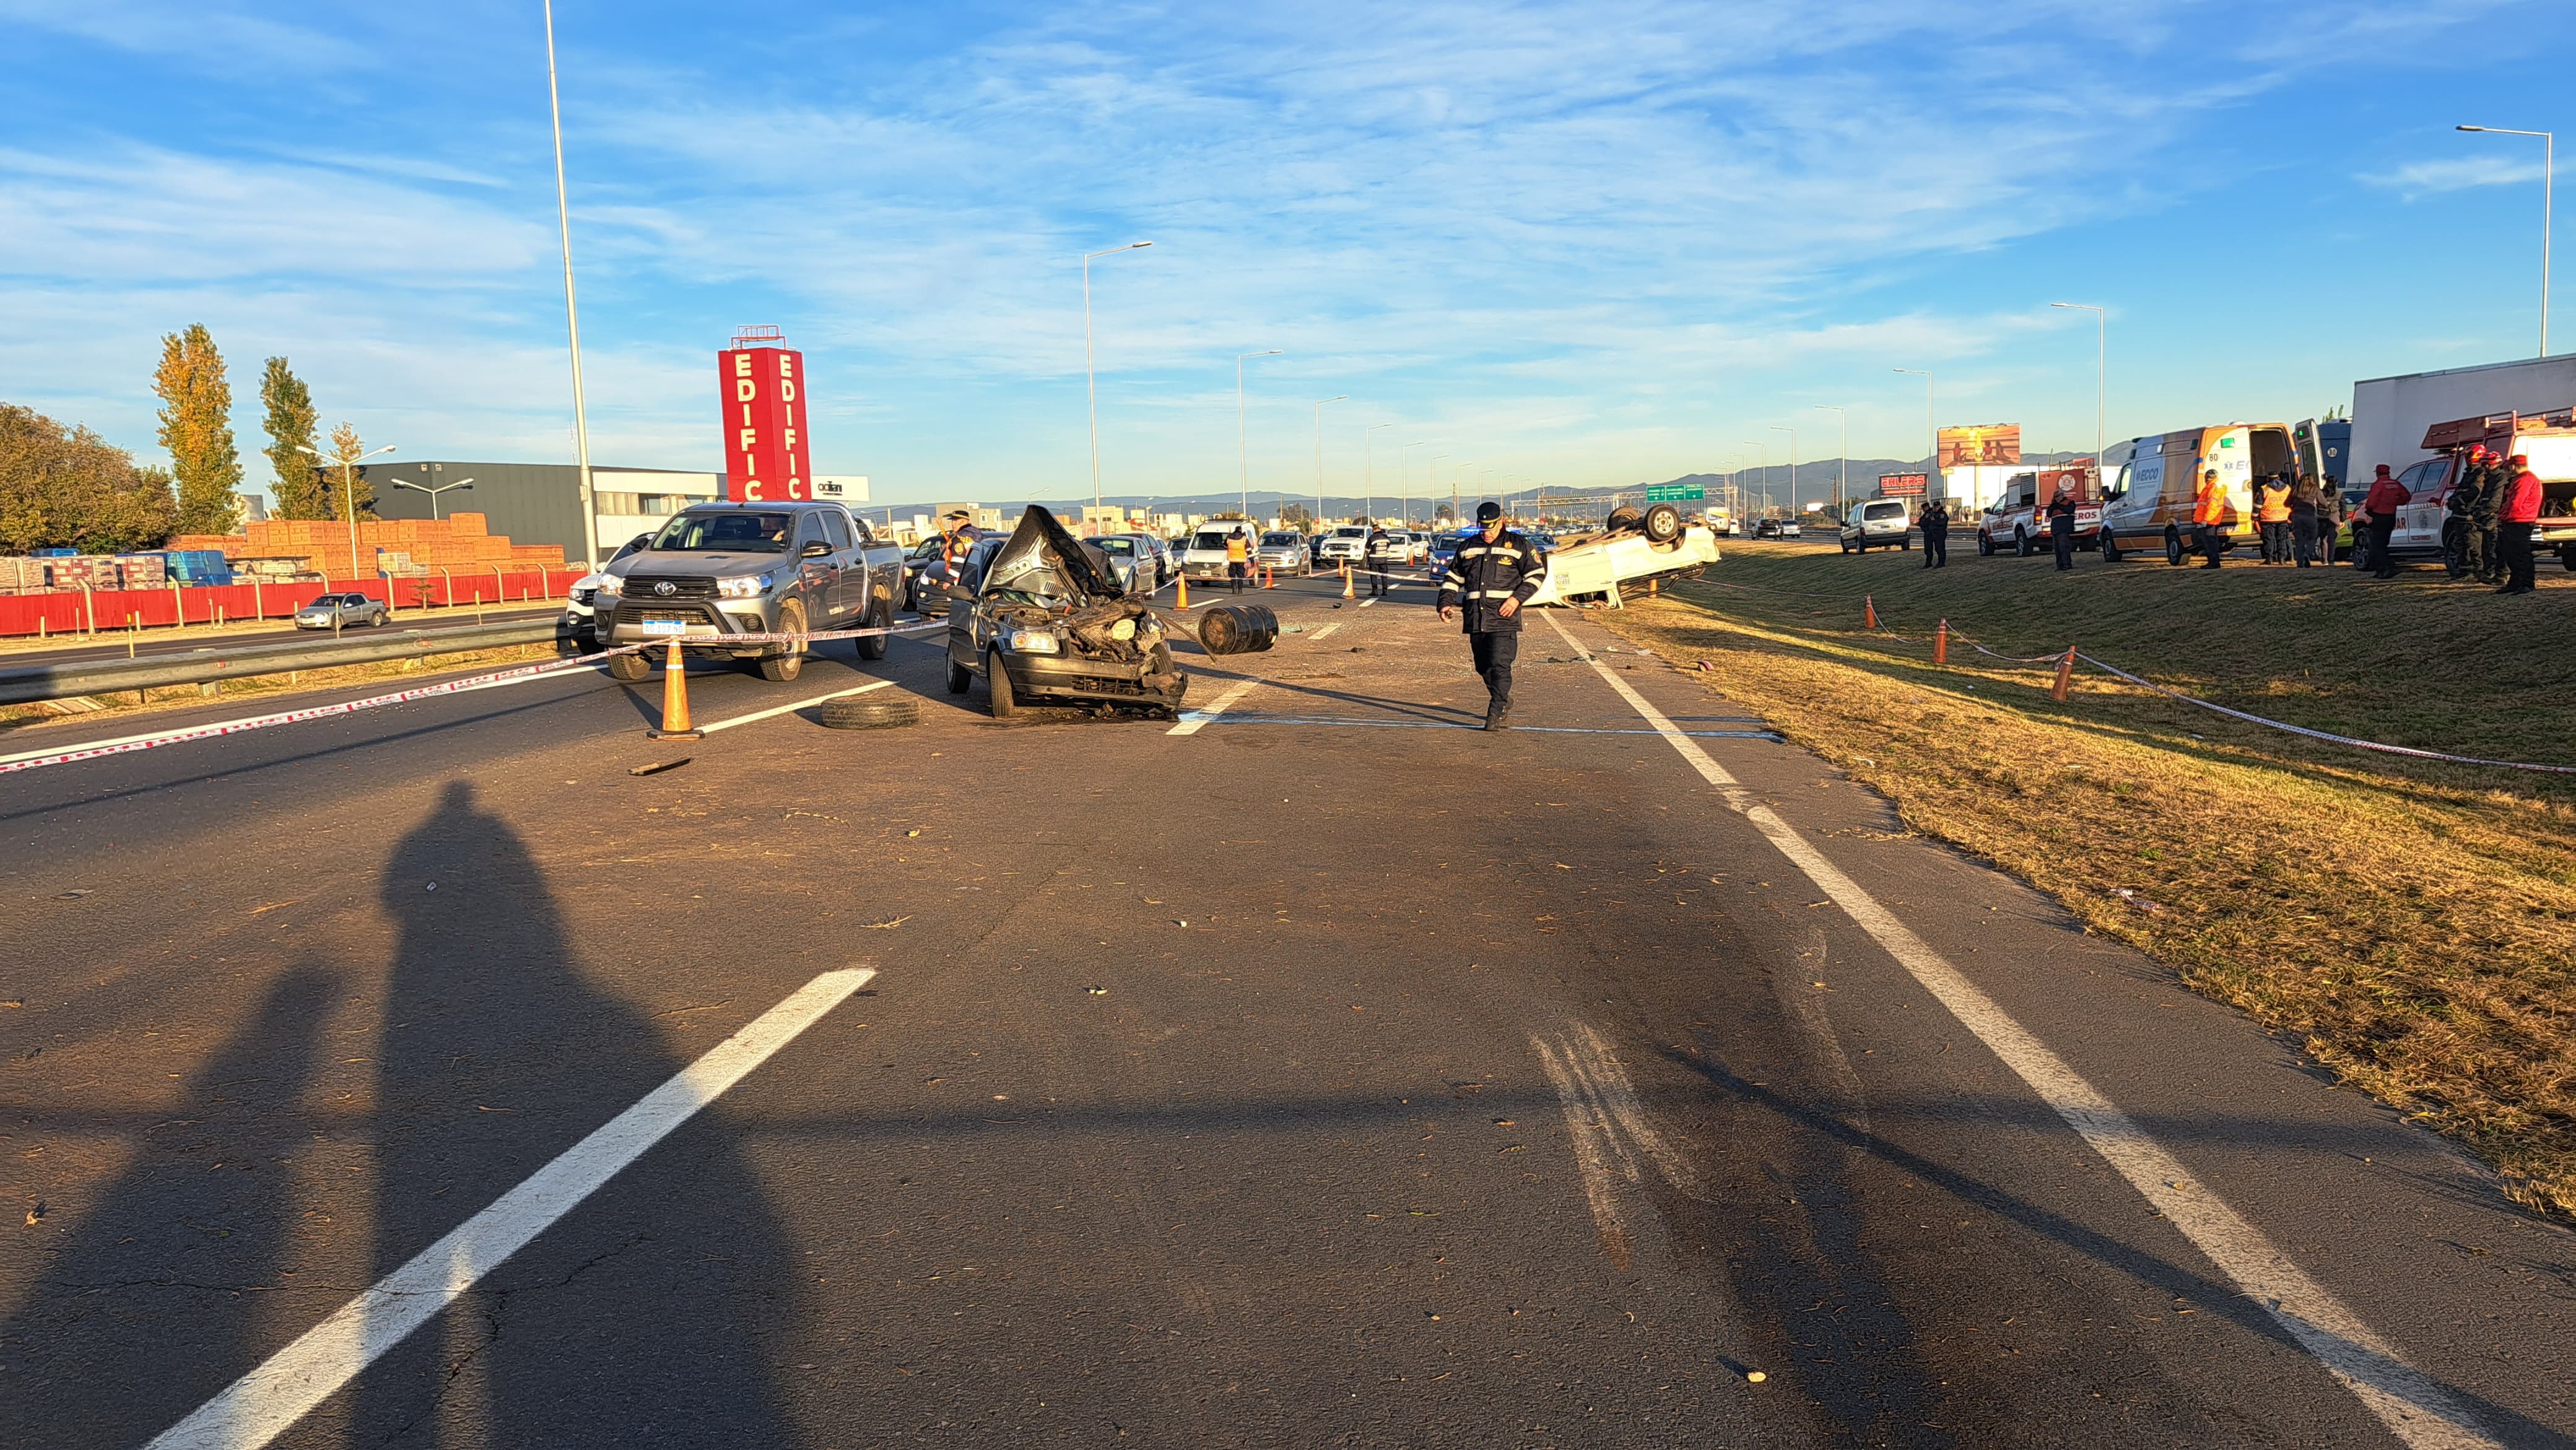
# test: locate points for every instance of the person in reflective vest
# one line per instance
(2272, 511)
(1489, 579)
(1238, 557)
(2209, 516)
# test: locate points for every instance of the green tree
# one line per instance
(1296, 517)
(345, 481)
(68, 487)
(197, 431)
(292, 427)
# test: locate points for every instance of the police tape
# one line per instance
(32, 760)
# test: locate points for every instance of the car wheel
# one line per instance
(630, 667)
(2110, 547)
(1663, 523)
(786, 665)
(1905, 543)
(959, 677)
(998, 681)
(2173, 546)
(873, 646)
(1622, 517)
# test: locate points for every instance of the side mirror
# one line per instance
(816, 548)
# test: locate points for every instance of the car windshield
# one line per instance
(1281, 541)
(743, 533)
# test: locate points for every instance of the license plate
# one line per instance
(664, 626)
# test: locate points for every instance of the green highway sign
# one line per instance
(1674, 493)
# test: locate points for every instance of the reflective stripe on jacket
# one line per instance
(2209, 506)
(1484, 575)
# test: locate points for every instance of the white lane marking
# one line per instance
(1365, 603)
(2415, 1409)
(262, 1404)
(1327, 629)
(1191, 720)
(799, 705)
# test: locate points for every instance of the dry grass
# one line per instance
(2414, 924)
(15, 720)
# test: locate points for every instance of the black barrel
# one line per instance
(1235, 629)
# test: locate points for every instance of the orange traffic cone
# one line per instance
(1347, 591)
(1868, 612)
(1269, 579)
(2065, 675)
(1181, 600)
(675, 702)
(1941, 643)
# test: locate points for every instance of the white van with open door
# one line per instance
(2150, 502)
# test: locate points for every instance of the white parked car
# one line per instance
(1346, 544)
(1634, 548)
(1880, 521)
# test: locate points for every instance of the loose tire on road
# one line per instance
(873, 647)
(786, 665)
(630, 667)
(998, 681)
(1234, 629)
(871, 712)
(1663, 523)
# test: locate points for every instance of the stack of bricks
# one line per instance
(458, 543)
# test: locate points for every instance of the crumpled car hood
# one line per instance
(1039, 543)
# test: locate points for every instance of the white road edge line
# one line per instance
(1327, 629)
(1365, 603)
(799, 705)
(262, 1404)
(2415, 1409)
(1191, 720)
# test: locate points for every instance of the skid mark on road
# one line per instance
(2418, 1411)
(262, 1404)
(1605, 1118)
(1191, 720)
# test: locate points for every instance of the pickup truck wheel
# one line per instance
(998, 681)
(2173, 546)
(2021, 544)
(873, 646)
(1663, 523)
(1621, 518)
(2567, 557)
(630, 667)
(1985, 543)
(786, 665)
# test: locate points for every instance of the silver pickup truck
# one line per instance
(724, 569)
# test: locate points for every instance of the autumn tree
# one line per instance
(197, 431)
(345, 481)
(292, 427)
(67, 487)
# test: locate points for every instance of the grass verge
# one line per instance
(2413, 923)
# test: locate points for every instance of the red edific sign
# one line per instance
(763, 407)
(1901, 485)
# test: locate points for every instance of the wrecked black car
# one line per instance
(1040, 618)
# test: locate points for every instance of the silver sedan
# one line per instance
(335, 611)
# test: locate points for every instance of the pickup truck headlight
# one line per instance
(611, 584)
(1036, 642)
(750, 586)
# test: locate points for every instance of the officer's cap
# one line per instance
(1488, 511)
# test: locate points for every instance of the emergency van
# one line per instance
(2149, 503)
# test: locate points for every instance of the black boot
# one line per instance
(1498, 715)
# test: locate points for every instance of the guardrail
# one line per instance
(35, 683)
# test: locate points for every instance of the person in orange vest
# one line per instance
(2272, 511)
(2209, 515)
(1238, 557)
(2379, 511)
(2517, 512)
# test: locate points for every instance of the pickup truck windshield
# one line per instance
(1208, 541)
(733, 533)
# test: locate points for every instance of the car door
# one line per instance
(849, 565)
(2419, 519)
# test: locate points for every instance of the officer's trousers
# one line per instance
(1495, 650)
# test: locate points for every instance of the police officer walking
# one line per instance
(1493, 574)
(1376, 555)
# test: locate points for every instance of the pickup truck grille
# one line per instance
(647, 589)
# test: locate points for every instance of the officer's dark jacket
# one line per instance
(1484, 575)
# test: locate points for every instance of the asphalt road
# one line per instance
(1326, 1074)
(114, 646)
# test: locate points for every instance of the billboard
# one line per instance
(762, 393)
(1980, 444)
(1902, 485)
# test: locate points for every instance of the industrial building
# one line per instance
(540, 503)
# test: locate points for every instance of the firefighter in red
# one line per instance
(2379, 510)
(2517, 512)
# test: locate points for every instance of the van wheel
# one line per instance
(873, 646)
(1905, 543)
(2173, 546)
(998, 679)
(780, 668)
(630, 667)
(2110, 547)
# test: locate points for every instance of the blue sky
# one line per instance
(1573, 244)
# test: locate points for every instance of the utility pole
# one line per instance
(2548, 195)
(2102, 376)
(572, 313)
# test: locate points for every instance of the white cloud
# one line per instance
(2418, 179)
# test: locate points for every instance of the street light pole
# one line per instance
(1243, 458)
(1793, 464)
(2548, 188)
(1933, 427)
(1368, 474)
(464, 483)
(1842, 474)
(2102, 378)
(572, 313)
(1319, 452)
(1090, 381)
(348, 491)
